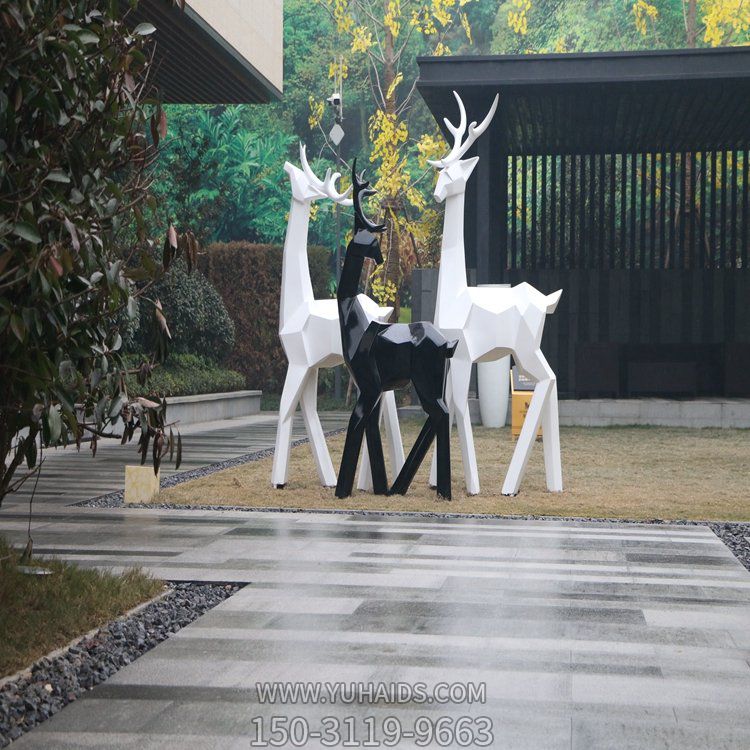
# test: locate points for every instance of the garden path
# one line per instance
(70, 476)
(586, 635)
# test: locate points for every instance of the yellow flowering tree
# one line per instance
(382, 36)
(712, 22)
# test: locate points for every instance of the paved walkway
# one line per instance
(585, 635)
(70, 476)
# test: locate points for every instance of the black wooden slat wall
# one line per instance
(677, 311)
(663, 211)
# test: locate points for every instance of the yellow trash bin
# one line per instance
(521, 390)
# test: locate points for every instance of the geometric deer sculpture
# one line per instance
(309, 332)
(382, 357)
(490, 323)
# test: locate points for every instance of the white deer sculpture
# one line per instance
(490, 323)
(311, 338)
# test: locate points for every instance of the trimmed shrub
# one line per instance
(186, 375)
(248, 278)
(198, 320)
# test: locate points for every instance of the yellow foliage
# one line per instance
(441, 10)
(314, 208)
(644, 12)
(441, 50)
(395, 82)
(560, 45)
(430, 147)
(384, 291)
(341, 15)
(724, 18)
(338, 70)
(466, 27)
(392, 19)
(517, 16)
(316, 112)
(361, 39)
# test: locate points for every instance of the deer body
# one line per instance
(490, 323)
(381, 357)
(310, 337)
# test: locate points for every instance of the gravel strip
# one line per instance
(115, 499)
(55, 682)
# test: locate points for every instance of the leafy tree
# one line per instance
(74, 170)
(544, 25)
(379, 40)
(228, 177)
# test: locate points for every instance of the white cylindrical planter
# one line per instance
(493, 383)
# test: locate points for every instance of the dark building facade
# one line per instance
(623, 179)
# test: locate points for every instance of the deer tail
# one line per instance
(552, 300)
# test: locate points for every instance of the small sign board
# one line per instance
(522, 391)
(521, 382)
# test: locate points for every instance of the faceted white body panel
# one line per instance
(490, 323)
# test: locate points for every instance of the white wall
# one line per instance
(255, 28)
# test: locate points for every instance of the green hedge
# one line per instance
(197, 319)
(248, 278)
(186, 375)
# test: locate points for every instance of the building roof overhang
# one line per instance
(195, 64)
(604, 102)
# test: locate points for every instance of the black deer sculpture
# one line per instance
(382, 357)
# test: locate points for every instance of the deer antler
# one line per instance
(362, 189)
(327, 185)
(459, 149)
(329, 188)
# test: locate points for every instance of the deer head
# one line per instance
(307, 187)
(365, 241)
(455, 171)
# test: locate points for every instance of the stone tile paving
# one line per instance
(586, 635)
(70, 476)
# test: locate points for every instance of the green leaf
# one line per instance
(88, 37)
(144, 29)
(117, 404)
(18, 327)
(57, 175)
(27, 232)
(54, 423)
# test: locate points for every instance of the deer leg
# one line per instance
(389, 417)
(449, 402)
(364, 481)
(551, 441)
(293, 384)
(375, 452)
(393, 431)
(309, 405)
(414, 459)
(443, 453)
(536, 366)
(459, 375)
(353, 443)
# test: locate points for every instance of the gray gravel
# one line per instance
(53, 683)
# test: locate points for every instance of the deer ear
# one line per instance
(552, 300)
(469, 165)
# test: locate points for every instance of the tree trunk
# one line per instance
(390, 205)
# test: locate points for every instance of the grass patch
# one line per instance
(41, 613)
(608, 472)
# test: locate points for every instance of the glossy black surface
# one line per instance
(382, 357)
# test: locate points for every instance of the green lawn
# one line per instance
(41, 613)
